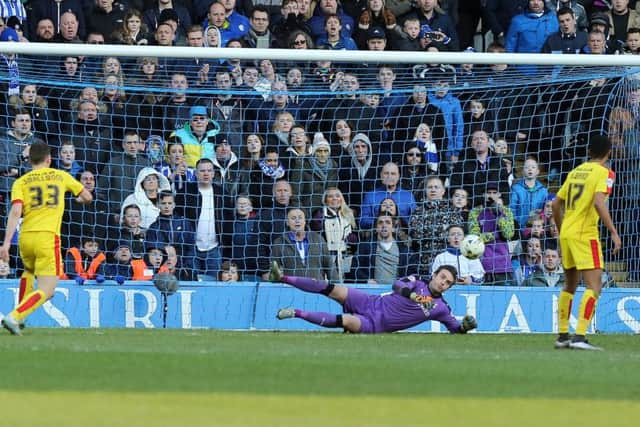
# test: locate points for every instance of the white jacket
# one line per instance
(148, 211)
(465, 266)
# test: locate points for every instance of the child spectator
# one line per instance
(451, 109)
(494, 223)
(632, 45)
(229, 272)
(460, 202)
(67, 159)
(131, 231)
(528, 262)
(477, 117)
(153, 262)
(171, 229)
(119, 269)
(550, 273)
(528, 193)
(501, 149)
(470, 271)
(535, 226)
(409, 37)
(85, 263)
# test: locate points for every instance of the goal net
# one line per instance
(334, 126)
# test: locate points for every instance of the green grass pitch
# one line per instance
(135, 377)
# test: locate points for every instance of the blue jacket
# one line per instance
(244, 246)
(316, 23)
(113, 269)
(345, 43)
(454, 123)
(176, 231)
(528, 32)
(371, 205)
(524, 199)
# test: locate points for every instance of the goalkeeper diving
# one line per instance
(414, 300)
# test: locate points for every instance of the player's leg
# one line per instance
(588, 302)
(590, 266)
(327, 320)
(33, 300)
(27, 280)
(336, 292)
(349, 322)
(565, 299)
(40, 250)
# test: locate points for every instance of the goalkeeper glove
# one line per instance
(468, 323)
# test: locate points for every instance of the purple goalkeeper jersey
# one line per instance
(393, 312)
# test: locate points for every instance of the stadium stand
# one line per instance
(319, 125)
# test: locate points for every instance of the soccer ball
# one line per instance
(166, 283)
(472, 246)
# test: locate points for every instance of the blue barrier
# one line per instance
(251, 305)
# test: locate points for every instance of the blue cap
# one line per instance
(9, 35)
(198, 110)
(551, 197)
(376, 33)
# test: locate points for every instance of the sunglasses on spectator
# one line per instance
(299, 42)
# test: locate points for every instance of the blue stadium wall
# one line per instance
(252, 306)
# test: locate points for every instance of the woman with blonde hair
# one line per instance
(110, 65)
(280, 129)
(336, 221)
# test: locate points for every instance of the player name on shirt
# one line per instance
(42, 177)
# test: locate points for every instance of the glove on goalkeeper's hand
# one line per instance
(468, 323)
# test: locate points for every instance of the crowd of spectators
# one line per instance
(348, 172)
